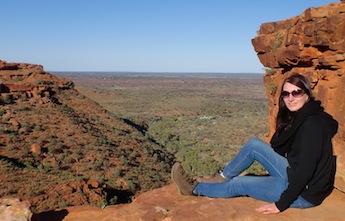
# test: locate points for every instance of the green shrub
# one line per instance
(113, 200)
(10, 147)
(63, 205)
(130, 184)
(269, 71)
(2, 111)
(278, 42)
(7, 99)
(272, 87)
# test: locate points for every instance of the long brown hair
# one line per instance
(285, 117)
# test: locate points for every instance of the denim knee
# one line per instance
(254, 142)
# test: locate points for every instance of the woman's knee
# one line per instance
(256, 145)
(255, 142)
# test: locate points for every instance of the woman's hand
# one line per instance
(268, 209)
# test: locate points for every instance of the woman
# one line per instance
(299, 158)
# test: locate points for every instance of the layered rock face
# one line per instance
(311, 44)
(29, 81)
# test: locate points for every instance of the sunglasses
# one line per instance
(295, 94)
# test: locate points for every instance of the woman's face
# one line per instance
(294, 97)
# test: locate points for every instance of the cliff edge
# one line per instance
(166, 204)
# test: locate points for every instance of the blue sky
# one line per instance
(140, 35)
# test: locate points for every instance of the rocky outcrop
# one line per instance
(311, 44)
(166, 204)
(60, 148)
(29, 81)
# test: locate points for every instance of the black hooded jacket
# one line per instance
(307, 145)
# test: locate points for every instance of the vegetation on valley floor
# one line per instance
(203, 121)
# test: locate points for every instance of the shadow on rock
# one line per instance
(50, 215)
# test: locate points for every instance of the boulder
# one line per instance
(14, 209)
(36, 148)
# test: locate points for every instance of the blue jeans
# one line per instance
(266, 188)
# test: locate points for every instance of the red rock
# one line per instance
(31, 82)
(93, 183)
(166, 204)
(35, 148)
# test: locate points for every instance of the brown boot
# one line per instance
(185, 184)
(217, 178)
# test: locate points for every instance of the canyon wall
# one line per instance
(311, 44)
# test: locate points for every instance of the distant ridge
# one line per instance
(158, 74)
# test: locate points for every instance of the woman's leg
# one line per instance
(267, 188)
(260, 151)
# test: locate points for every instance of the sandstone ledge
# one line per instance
(166, 204)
